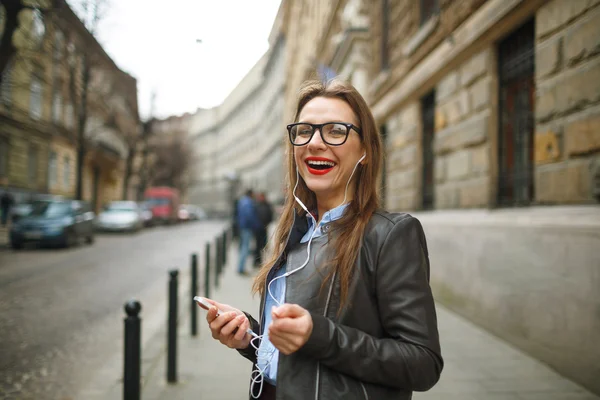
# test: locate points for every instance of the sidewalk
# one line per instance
(478, 366)
(206, 369)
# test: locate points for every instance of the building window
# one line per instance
(385, 28)
(516, 59)
(6, 85)
(56, 106)
(59, 42)
(52, 169)
(35, 98)
(38, 28)
(427, 9)
(428, 120)
(384, 141)
(32, 164)
(66, 172)
(3, 156)
(69, 116)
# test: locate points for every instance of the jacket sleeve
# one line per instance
(250, 352)
(409, 355)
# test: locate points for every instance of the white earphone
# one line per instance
(260, 372)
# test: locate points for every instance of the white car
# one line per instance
(120, 216)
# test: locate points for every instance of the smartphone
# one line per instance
(206, 305)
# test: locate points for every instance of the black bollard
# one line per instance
(217, 262)
(132, 357)
(194, 292)
(224, 240)
(207, 270)
(172, 329)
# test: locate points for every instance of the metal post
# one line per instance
(132, 358)
(217, 262)
(224, 240)
(194, 292)
(172, 329)
(207, 270)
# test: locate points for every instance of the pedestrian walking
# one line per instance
(6, 203)
(248, 223)
(264, 211)
(346, 307)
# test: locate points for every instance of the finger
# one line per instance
(282, 343)
(288, 311)
(241, 333)
(286, 325)
(211, 314)
(230, 326)
(218, 323)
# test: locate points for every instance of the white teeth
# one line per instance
(327, 163)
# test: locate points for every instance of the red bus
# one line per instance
(163, 201)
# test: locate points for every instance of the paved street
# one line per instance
(61, 311)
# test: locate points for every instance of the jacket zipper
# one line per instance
(325, 315)
(364, 390)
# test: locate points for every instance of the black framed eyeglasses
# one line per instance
(332, 133)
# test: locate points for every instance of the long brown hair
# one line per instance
(351, 226)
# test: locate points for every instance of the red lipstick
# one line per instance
(320, 171)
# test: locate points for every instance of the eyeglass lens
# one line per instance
(334, 134)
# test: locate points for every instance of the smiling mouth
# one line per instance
(319, 167)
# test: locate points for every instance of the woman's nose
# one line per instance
(316, 141)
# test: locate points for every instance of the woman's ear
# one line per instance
(363, 159)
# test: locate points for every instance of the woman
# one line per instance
(346, 308)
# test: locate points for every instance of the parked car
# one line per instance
(120, 216)
(190, 212)
(146, 214)
(164, 203)
(19, 211)
(54, 222)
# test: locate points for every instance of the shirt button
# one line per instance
(325, 228)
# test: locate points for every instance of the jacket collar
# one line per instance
(299, 229)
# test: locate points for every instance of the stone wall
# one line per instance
(529, 275)
(462, 132)
(567, 101)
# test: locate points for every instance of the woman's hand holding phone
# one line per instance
(228, 327)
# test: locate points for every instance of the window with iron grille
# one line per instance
(384, 135)
(516, 70)
(428, 120)
(32, 163)
(427, 9)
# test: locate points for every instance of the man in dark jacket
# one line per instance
(248, 223)
(264, 211)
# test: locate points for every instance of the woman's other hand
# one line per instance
(291, 327)
(230, 327)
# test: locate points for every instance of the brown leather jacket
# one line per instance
(384, 344)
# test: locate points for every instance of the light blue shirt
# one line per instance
(268, 355)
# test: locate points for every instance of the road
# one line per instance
(61, 311)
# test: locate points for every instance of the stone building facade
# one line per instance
(239, 144)
(489, 113)
(39, 103)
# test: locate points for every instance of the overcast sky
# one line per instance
(155, 41)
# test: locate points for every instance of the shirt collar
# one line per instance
(329, 216)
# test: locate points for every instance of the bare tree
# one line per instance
(173, 164)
